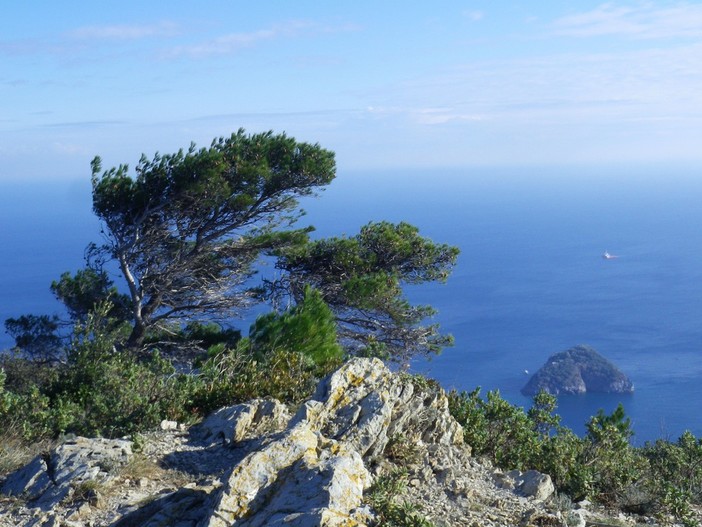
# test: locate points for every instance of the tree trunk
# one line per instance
(136, 338)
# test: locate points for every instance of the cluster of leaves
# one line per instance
(602, 465)
(361, 278)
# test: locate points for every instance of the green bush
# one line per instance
(614, 462)
(283, 357)
(23, 374)
(496, 429)
(679, 463)
(308, 328)
(602, 465)
(662, 478)
(99, 391)
(27, 415)
(384, 497)
(117, 394)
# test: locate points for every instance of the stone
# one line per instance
(322, 490)
(578, 370)
(531, 484)
(182, 508)
(365, 404)
(313, 473)
(575, 518)
(46, 482)
(233, 424)
(30, 481)
(169, 425)
(253, 478)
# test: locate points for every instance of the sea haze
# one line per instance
(530, 281)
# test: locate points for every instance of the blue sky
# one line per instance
(384, 84)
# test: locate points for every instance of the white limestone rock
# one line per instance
(255, 476)
(47, 482)
(313, 473)
(530, 484)
(233, 424)
(364, 404)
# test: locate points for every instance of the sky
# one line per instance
(385, 84)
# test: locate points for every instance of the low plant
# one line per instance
(402, 450)
(27, 416)
(88, 491)
(496, 429)
(421, 383)
(384, 497)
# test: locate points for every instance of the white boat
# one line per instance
(608, 256)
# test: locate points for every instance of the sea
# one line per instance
(530, 281)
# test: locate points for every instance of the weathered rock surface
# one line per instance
(254, 466)
(47, 481)
(233, 424)
(352, 416)
(578, 370)
(532, 484)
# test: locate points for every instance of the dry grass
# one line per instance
(15, 453)
(141, 467)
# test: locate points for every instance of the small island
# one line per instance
(578, 370)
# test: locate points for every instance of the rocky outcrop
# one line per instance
(313, 473)
(253, 465)
(578, 370)
(48, 480)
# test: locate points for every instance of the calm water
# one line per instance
(530, 280)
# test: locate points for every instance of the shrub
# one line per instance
(283, 357)
(117, 394)
(27, 416)
(495, 428)
(602, 465)
(614, 463)
(384, 495)
(308, 328)
(679, 463)
(233, 376)
(100, 391)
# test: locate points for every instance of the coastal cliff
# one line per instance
(578, 370)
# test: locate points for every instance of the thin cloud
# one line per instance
(474, 16)
(125, 32)
(84, 124)
(18, 48)
(69, 149)
(425, 116)
(553, 90)
(243, 115)
(644, 21)
(234, 42)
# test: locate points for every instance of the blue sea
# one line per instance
(530, 281)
